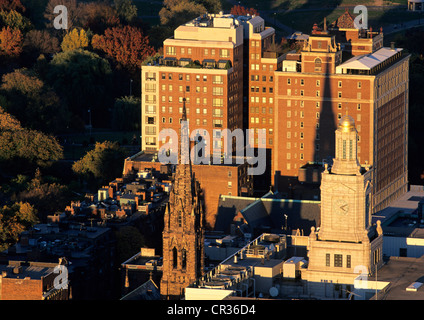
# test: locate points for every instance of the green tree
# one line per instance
(102, 164)
(126, 113)
(34, 103)
(177, 12)
(84, 81)
(24, 149)
(126, 10)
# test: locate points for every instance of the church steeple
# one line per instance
(183, 234)
(346, 159)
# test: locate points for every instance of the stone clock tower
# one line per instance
(346, 244)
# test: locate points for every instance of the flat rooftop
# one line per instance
(33, 271)
(401, 272)
(371, 60)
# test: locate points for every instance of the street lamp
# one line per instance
(285, 218)
(131, 81)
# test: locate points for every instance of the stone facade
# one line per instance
(183, 234)
(346, 245)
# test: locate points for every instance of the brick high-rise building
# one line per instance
(203, 63)
(183, 233)
(322, 83)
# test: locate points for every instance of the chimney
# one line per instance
(325, 24)
(392, 45)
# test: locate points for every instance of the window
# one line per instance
(224, 53)
(174, 258)
(327, 259)
(338, 260)
(348, 261)
(170, 51)
(359, 84)
(340, 94)
(318, 64)
(217, 80)
(340, 84)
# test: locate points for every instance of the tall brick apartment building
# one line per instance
(231, 76)
(328, 79)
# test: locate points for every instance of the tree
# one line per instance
(37, 42)
(97, 17)
(126, 45)
(34, 103)
(14, 219)
(84, 81)
(126, 114)
(15, 20)
(74, 40)
(24, 149)
(177, 12)
(10, 42)
(243, 11)
(102, 164)
(126, 10)
(7, 5)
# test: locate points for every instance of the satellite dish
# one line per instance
(273, 291)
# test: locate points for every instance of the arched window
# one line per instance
(318, 63)
(174, 258)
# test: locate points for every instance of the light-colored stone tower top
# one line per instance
(346, 159)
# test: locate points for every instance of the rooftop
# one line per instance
(401, 272)
(368, 62)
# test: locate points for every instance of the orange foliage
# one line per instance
(126, 45)
(242, 11)
(10, 42)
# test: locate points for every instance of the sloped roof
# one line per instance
(345, 21)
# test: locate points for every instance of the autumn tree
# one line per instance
(10, 42)
(126, 45)
(239, 10)
(14, 219)
(7, 5)
(102, 164)
(75, 39)
(37, 42)
(98, 16)
(15, 20)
